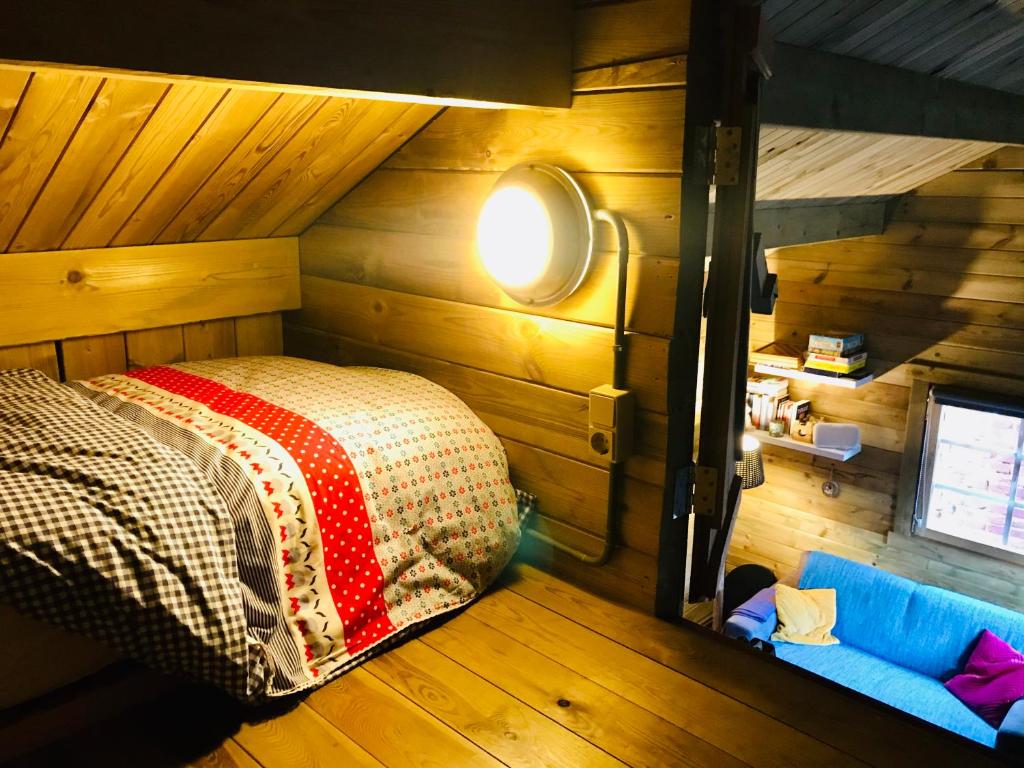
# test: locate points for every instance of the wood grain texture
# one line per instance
(448, 268)
(607, 719)
(259, 335)
(209, 339)
(326, 146)
(810, 163)
(556, 353)
(90, 356)
(41, 356)
(46, 119)
(1006, 158)
(674, 697)
(94, 356)
(12, 86)
(497, 722)
(973, 43)
(395, 730)
(286, 117)
(174, 123)
(938, 295)
(849, 724)
(402, 128)
(155, 346)
(624, 132)
(610, 33)
(444, 204)
(119, 111)
(89, 160)
(78, 293)
(227, 755)
(299, 738)
(666, 72)
(199, 155)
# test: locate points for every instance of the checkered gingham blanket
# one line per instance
(258, 523)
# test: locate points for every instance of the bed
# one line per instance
(260, 524)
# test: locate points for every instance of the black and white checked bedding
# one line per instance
(109, 533)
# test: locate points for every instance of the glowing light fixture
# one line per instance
(535, 237)
(535, 234)
(750, 467)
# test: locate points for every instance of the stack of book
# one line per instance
(835, 354)
(768, 401)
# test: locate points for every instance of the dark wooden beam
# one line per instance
(798, 222)
(481, 50)
(702, 92)
(814, 89)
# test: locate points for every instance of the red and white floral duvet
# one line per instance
(362, 502)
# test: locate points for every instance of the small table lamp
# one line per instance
(750, 468)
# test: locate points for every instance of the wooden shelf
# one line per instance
(788, 442)
(828, 381)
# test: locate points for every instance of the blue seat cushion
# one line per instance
(903, 688)
(923, 628)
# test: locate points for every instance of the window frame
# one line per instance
(919, 453)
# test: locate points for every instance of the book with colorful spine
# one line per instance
(835, 343)
(820, 362)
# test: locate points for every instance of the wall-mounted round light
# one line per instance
(535, 234)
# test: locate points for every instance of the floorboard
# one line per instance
(301, 738)
(857, 727)
(536, 673)
(662, 691)
(392, 728)
(612, 722)
(494, 720)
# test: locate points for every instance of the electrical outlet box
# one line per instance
(611, 423)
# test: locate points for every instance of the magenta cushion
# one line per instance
(992, 680)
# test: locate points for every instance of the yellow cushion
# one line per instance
(806, 616)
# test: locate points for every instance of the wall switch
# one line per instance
(611, 423)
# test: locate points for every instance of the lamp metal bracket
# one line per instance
(725, 162)
(705, 490)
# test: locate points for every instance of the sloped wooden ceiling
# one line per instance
(809, 163)
(89, 161)
(972, 41)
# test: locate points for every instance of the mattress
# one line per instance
(259, 524)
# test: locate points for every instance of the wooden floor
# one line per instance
(535, 673)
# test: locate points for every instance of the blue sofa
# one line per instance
(899, 641)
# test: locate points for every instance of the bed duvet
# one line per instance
(262, 524)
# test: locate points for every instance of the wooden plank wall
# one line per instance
(68, 294)
(87, 356)
(939, 294)
(390, 278)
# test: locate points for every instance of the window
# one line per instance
(971, 492)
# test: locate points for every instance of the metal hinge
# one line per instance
(705, 490)
(724, 168)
